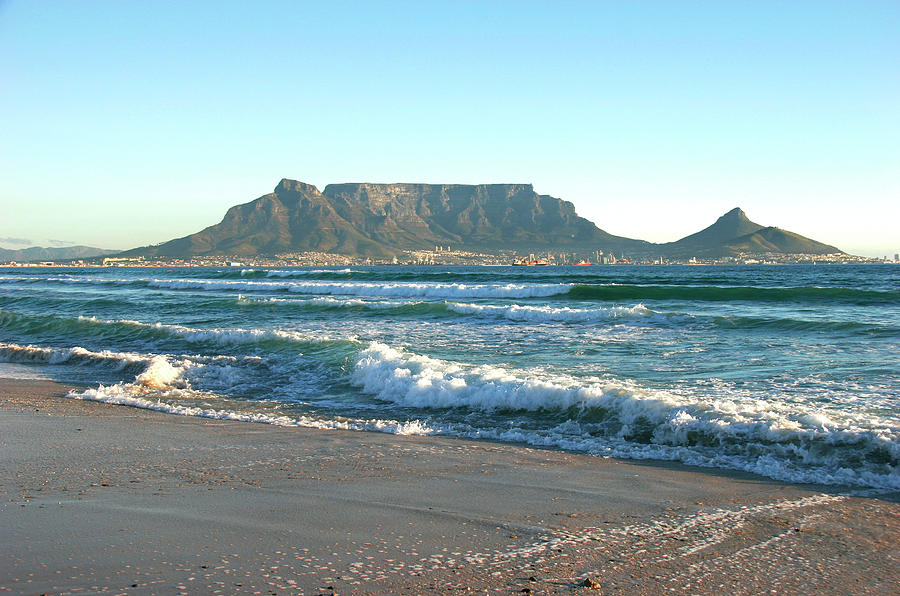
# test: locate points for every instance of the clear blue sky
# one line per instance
(128, 123)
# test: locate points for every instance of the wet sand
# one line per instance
(109, 499)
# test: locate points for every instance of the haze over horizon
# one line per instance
(132, 124)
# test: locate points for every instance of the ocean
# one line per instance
(789, 371)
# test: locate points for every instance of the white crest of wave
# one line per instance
(524, 312)
(629, 411)
(10, 352)
(331, 301)
(421, 381)
(156, 371)
(400, 289)
(302, 272)
(222, 336)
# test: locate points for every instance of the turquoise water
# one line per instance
(786, 371)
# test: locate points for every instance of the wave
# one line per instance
(644, 276)
(130, 395)
(257, 273)
(142, 335)
(423, 284)
(32, 354)
(730, 294)
(155, 335)
(407, 290)
(165, 383)
(531, 313)
(541, 314)
(156, 371)
(325, 303)
(786, 441)
(797, 324)
(513, 312)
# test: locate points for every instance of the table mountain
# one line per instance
(384, 219)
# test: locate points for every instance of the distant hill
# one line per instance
(384, 219)
(40, 253)
(380, 220)
(734, 233)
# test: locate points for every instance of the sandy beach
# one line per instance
(109, 499)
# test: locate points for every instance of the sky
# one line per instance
(131, 123)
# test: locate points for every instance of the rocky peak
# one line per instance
(735, 214)
(292, 186)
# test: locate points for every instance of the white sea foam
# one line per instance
(331, 301)
(161, 374)
(524, 312)
(139, 397)
(302, 272)
(386, 289)
(225, 336)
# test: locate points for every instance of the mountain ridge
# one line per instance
(383, 220)
(50, 253)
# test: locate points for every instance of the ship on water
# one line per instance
(530, 261)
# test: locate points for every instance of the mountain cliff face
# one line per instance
(384, 219)
(379, 220)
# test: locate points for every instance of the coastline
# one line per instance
(104, 498)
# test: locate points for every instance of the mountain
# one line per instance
(40, 253)
(384, 219)
(733, 224)
(734, 233)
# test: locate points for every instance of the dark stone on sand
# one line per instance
(590, 584)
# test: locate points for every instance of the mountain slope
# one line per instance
(776, 240)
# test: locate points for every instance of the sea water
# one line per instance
(786, 371)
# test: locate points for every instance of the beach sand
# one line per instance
(109, 499)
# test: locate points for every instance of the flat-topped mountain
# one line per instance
(384, 219)
(378, 220)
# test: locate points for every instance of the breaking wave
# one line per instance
(799, 443)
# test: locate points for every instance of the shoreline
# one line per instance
(105, 498)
